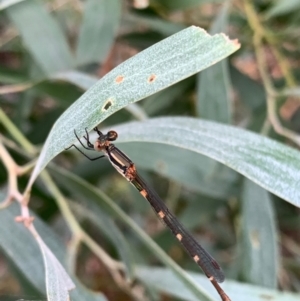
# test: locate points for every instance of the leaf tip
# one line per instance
(234, 42)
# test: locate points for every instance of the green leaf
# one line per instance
(283, 7)
(30, 261)
(80, 79)
(150, 71)
(153, 23)
(82, 189)
(252, 93)
(6, 3)
(85, 81)
(58, 282)
(291, 91)
(42, 36)
(164, 282)
(100, 23)
(161, 159)
(179, 4)
(259, 237)
(163, 99)
(92, 212)
(214, 88)
(266, 162)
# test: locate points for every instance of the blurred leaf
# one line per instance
(179, 4)
(283, 7)
(6, 3)
(214, 98)
(166, 28)
(100, 23)
(252, 93)
(259, 237)
(80, 79)
(150, 71)
(58, 282)
(23, 249)
(82, 189)
(63, 93)
(154, 104)
(164, 281)
(266, 162)
(292, 91)
(93, 213)
(11, 76)
(42, 36)
(179, 164)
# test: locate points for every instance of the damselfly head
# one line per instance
(112, 136)
(104, 140)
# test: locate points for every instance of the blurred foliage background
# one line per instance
(256, 88)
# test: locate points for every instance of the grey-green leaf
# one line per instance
(41, 35)
(29, 260)
(160, 158)
(85, 190)
(179, 4)
(92, 212)
(6, 3)
(163, 281)
(58, 282)
(163, 64)
(214, 88)
(282, 7)
(259, 238)
(100, 22)
(270, 164)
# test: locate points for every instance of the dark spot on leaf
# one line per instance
(151, 78)
(107, 105)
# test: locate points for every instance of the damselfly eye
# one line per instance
(112, 136)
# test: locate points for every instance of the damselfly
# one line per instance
(128, 170)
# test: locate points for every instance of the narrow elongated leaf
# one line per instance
(80, 79)
(58, 282)
(214, 101)
(41, 35)
(166, 28)
(160, 158)
(82, 189)
(165, 63)
(99, 25)
(164, 281)
(85, 81)
(282, 7)
(6, 3)
(268, 163)
(213, 95)
(163, 99)
(24, 251)
(252, 93)
(93, 213)
(179, 4)
(259, 238)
